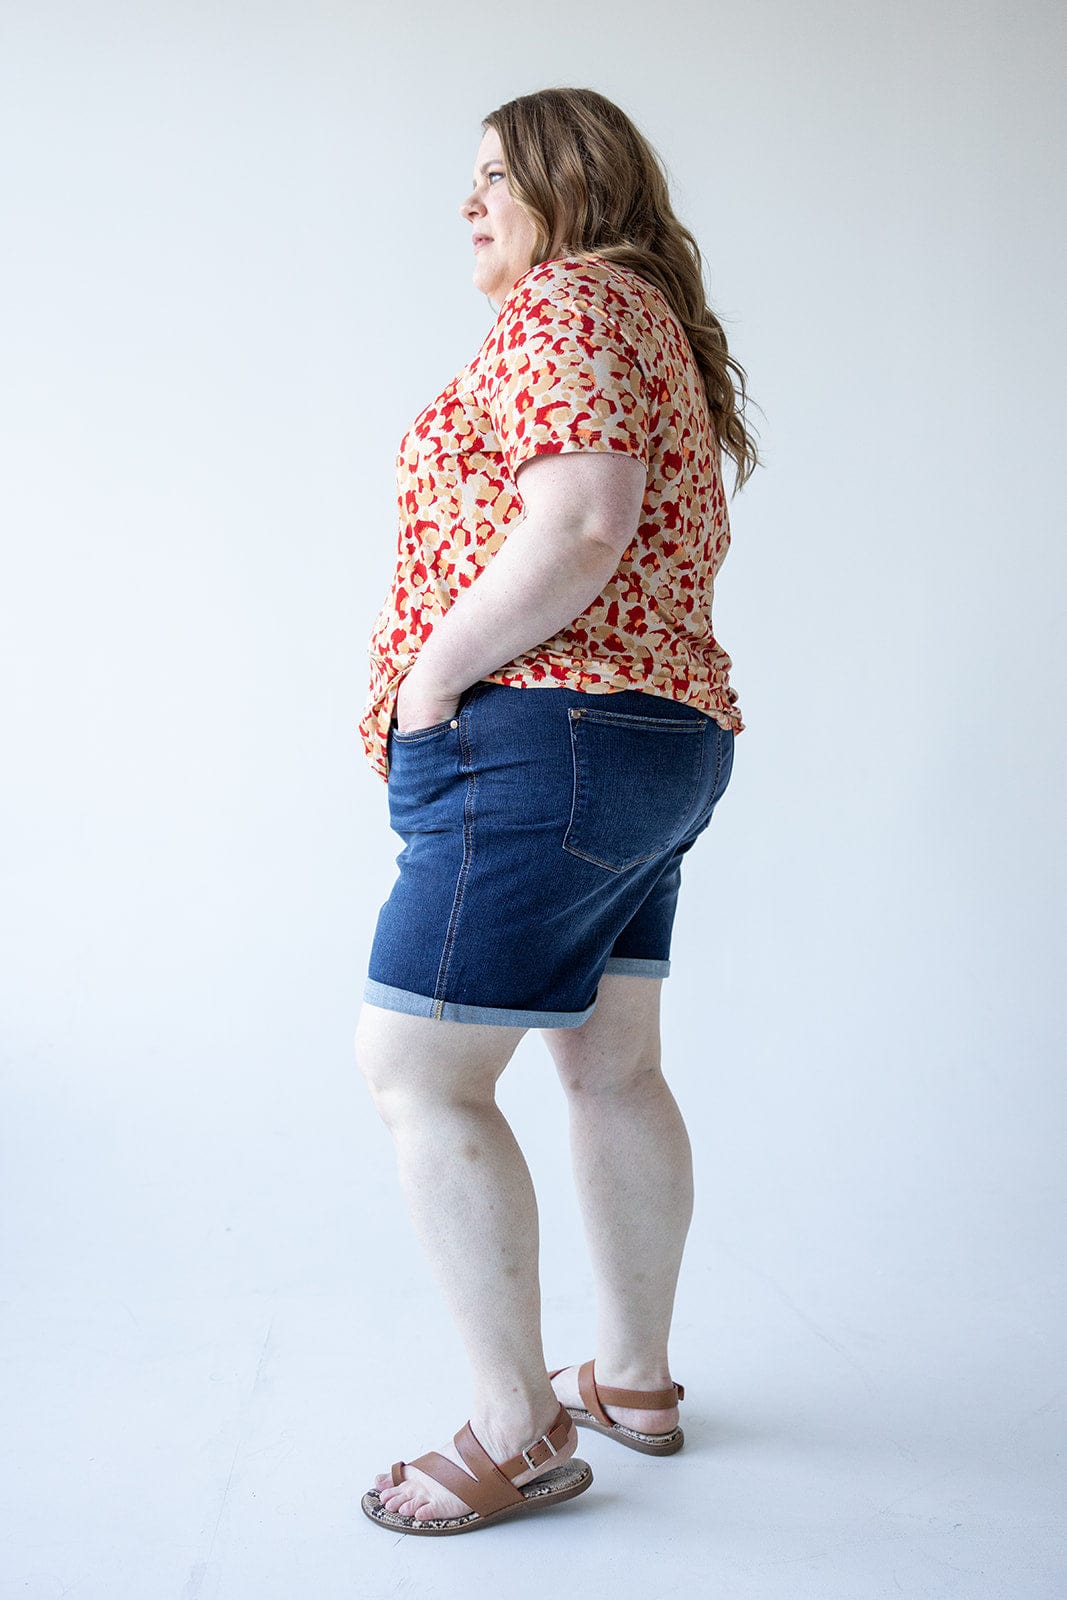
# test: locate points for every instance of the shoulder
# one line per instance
(569, 278)
(583, 292)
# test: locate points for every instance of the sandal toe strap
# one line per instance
(481, 1495)
(488, 1487)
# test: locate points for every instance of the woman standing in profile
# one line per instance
(553, 716)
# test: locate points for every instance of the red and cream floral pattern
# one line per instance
(583, 355)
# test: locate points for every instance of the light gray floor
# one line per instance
(217, 1448)
(869, 1412)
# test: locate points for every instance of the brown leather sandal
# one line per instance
(490, 1493)
(596, 1397)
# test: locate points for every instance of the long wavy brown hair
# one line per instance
(591, 182)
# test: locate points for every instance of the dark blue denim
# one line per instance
(543, 831)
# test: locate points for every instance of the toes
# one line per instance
(414, 1499)
(400, 1499)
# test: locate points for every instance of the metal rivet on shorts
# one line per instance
(454, 723)
(575, 712)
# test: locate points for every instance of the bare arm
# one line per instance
(582, 509)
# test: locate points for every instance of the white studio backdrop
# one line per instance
(234, 269)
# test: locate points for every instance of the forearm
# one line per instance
(541, 578)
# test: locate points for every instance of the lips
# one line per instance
(482, 238)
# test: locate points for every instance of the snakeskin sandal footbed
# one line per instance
(490, 1492)
(596, 1396)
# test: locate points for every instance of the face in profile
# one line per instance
(501, 231)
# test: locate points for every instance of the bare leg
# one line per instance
(634, 1176)
(471, 1199)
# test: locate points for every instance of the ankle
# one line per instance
(525, 1414)
(633, 1372)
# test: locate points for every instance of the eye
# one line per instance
(491, 175)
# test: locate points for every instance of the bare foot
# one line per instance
(565, 1385)
(422, 1497)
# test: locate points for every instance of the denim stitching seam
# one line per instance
(671, 724)
(419, 733)
(461, 882)
(720, 745)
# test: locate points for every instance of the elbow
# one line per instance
(614, 542)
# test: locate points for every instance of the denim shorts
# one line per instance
(544, 830)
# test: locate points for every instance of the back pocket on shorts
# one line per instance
(636, 783)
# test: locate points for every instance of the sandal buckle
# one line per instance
(552, 1451)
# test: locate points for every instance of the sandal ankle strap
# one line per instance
(595, 1396)
(544, 1447)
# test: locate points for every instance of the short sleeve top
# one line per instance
(584, 355)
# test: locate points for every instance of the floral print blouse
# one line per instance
(584, 355)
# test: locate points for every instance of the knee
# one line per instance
(412, 1072)
(384, 1083)
(629, 1078)
(376, 1065)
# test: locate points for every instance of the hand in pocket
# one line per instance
(418, 708)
